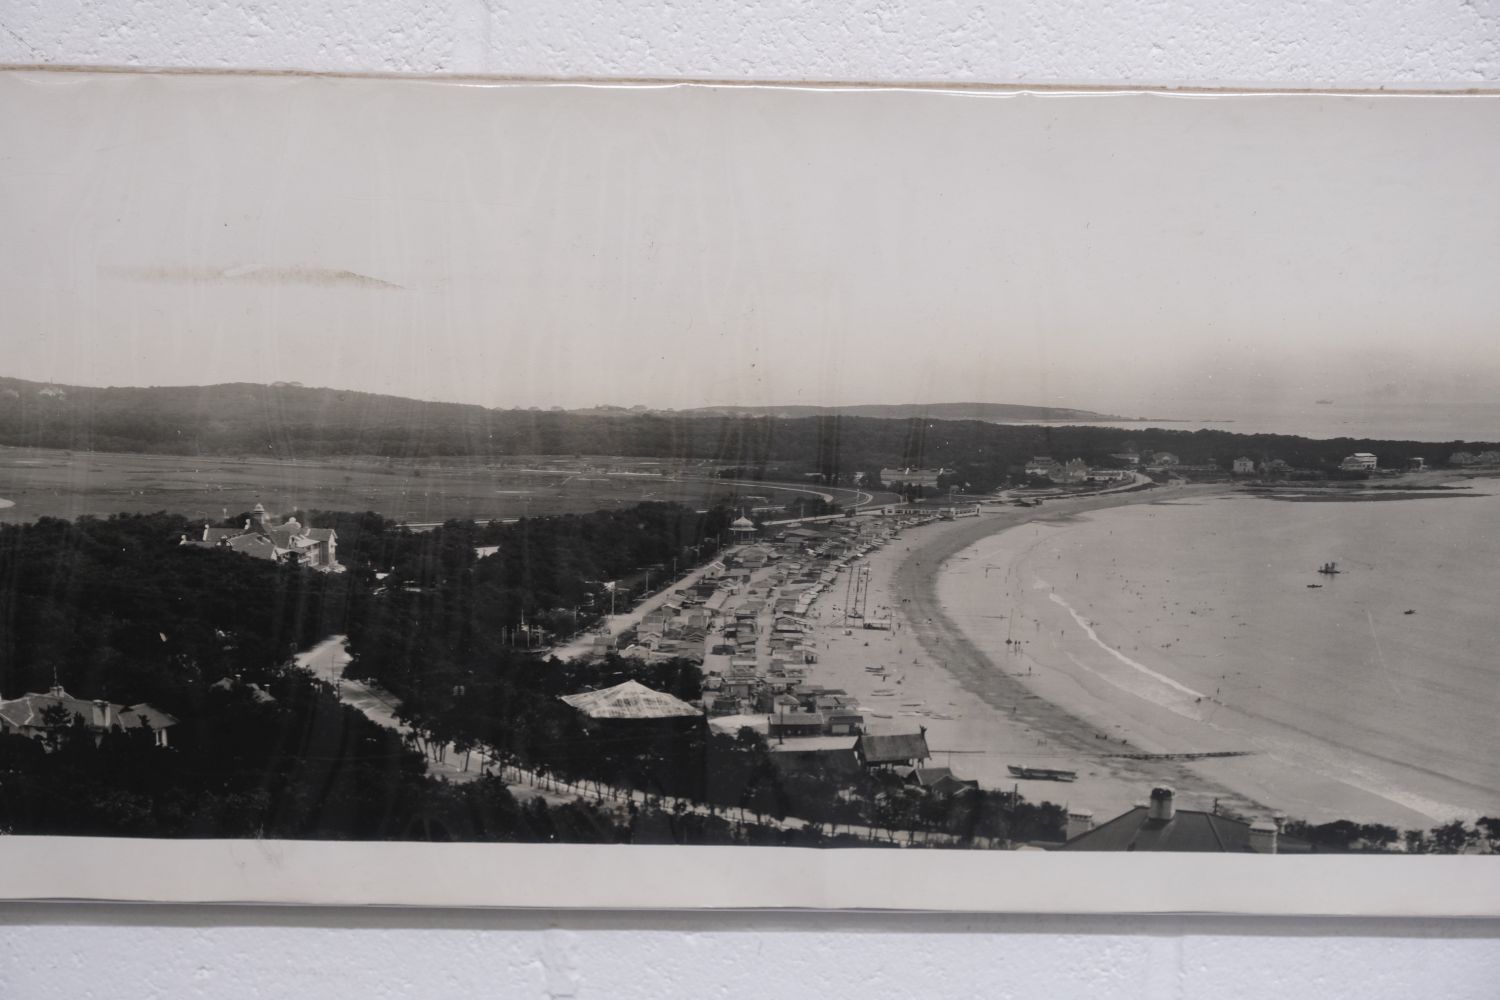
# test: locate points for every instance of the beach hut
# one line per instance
(893, 749)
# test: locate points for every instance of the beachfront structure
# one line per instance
(37, 714)
(1164, 460)
(911, 477)
(1159, 825)
(1075, 470)
(1360, 461)
(939, 781)
(1043, 467)
(827, 755)
(752, 557)
(794, 722)
(893, 750)
(630, 701)
(261, 538)
(1244, 466)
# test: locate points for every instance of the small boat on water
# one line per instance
(1042, 773)
(1330, 569)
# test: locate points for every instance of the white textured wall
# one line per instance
(72, 951)
(1308, 42)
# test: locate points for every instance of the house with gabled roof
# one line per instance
(939, 781)
(261, 538)
(38, 714)
(1158, 825)
(891, 750)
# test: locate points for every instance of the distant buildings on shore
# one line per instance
(260, 538)
(911, 477)
(1078, 471)
(749, 621)
(1075, 471)
(1466, 459)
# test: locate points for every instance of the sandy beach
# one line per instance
(1073, 635)
(1201, 625)
(1166, 623)
(979, 715)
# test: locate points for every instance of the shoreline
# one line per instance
(1109, 782)
(1087, 673)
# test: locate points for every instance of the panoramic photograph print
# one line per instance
(893, 471)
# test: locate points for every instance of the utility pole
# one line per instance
(848, 593)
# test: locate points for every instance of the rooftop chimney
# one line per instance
(1162, 807)
(1080, 821)
(1263, 837)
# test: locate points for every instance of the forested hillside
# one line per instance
(287, 421)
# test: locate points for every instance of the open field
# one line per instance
(50, 483)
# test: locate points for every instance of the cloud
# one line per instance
(309, 277)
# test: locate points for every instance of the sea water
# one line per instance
(1204, 625)
(1377, 420)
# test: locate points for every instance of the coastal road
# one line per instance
(615, 624)
(326, 661)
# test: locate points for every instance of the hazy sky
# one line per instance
(519, 246)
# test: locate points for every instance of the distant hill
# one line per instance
(982, 442)
(994, 413)
(233, 418)
(287, 419)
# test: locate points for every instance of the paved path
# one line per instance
(327, 660)
(582, 645)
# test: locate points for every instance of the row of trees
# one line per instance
(116, 608)
(1346, 836)
(288, 762)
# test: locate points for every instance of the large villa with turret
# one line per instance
(313, 547)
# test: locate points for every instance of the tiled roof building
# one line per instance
(1161, 826)
(29, 714)
(259, 538)
(886, 750)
